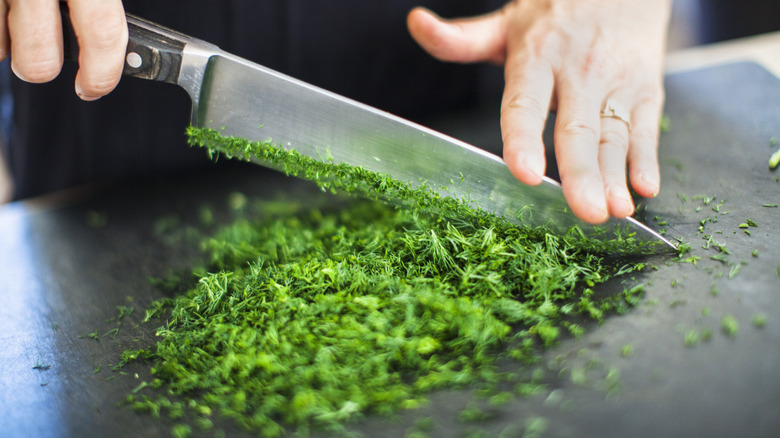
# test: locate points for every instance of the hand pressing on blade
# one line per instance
(597, 63)
(31, 34)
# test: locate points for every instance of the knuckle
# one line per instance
(614, 140)
(106, 32)
(578, 128)
(524, 105)
(653, 96)
(644, 135)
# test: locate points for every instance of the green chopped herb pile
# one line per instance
(316, 316)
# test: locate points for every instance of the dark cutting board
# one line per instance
(67, 262)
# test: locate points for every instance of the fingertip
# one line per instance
(102, 32)
(647, 184)
(426, 29)
(587, 202)
(419, 13)
(528, 169)
(40, 72)
(85, 96)
(619, 202)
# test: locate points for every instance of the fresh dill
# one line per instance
(42, 366)
(312, 316)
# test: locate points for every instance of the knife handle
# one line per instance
(153, 52)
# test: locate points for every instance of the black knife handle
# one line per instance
(153, 52)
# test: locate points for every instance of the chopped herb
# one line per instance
(93, 335)
(706, 200)
(666, 123)
(770, 205)
(313, 316)
(472, 413)
(735, 268)
(41, 365)
(627, 350)
(181, 431)
(140, 387)
(759, 321)
(774, 160)
(501, 399)
(720, 257)
(729, 325)
(424, 424)
(691, 338)
(676, 163)
(535, 427)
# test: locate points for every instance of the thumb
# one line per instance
(472, 39)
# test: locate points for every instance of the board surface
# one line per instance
(66, 266)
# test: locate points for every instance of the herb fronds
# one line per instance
(316, 316)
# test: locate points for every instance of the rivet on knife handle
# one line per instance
(153, 52)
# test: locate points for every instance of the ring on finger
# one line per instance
(614, 111)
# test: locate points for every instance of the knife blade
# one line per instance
(244, 99)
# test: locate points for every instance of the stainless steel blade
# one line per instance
(247, 100)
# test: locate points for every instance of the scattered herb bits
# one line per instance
(691, 338)
(729, 325)
(759, 320)
(774, 160)
(42, 366)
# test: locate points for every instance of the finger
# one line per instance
(524, 109)
(461, 40)
(613, 149)
(4, 40)
(35, 33)
(101, 30)
(643, 154)
(577, 135)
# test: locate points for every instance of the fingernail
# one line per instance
(650, 181)
(84, 97)
(18, 75)
(535, 164)
(596, 203)
(619, 196)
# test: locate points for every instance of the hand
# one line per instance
(572, 56)
(31, 33)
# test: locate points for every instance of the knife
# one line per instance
(244, 99)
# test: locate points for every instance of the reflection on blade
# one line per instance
(246, 100)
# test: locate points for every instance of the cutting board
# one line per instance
(69, 261)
